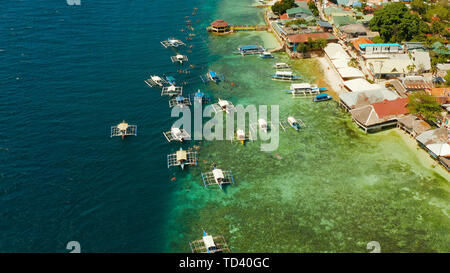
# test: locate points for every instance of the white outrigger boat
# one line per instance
(123, 129)
(292, 122)
(209, 244)
(155, 80)
(285, 76)
(177, 134)
(217, 177)
(262, 123)
(179, 101)
(172, 90)
(223, 106)
(172, 42)
(182, 158)
(179, 58)
(304, 89)
(280, 66)
(266, 55)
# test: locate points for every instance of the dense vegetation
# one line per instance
(425, 105)
(426, 22)
(396, 23)
(301, 21)
(280, 7)
(312, 45)
(313, 8)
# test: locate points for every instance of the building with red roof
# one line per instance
(220, 26)
(294, 40)
(360, 41)
(380, 115)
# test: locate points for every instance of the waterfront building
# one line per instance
(220, 26)
(299, 12)
(353, 100)
(380, 115)
(383, 48)
(437, 143)
(358, 85)
(413, 125)
(293, 41)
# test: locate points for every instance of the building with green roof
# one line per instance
(299, 12)
(343, 20)
(440, 49)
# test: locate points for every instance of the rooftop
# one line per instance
(303, 37)
(360, 41)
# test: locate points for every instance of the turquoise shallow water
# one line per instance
(328, 188)
(68, 73)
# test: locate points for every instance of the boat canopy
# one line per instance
(249, 47)
(223, 103)
(300, 86)
(322, 96)
(284, 73)
(176, 131)
(217, 173)
(292, 120)
(213, 74)
(209, 242)
(240, 133)
(262, 122)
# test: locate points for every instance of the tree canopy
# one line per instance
(425, 105)
(281, 6)
(395, 23)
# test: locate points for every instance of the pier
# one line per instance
(221, 27)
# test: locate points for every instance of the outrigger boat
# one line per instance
(217, 176)
(172, 42)
(322, 97)
(177, 134)
(199, 97)
(285, 76)
(179, 101)
(212, 76)
(209, 244)
(279, 66)
(250, 50)
(292, 123)
(123, 129)
(266, 55)
(262, 125)
(155, 81)
(240, 136)
(171, 80)
(182, 158)
(305, 89)
(179, 58)
(172, 90)
(223, 106)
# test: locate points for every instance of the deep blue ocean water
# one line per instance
(67, 74)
